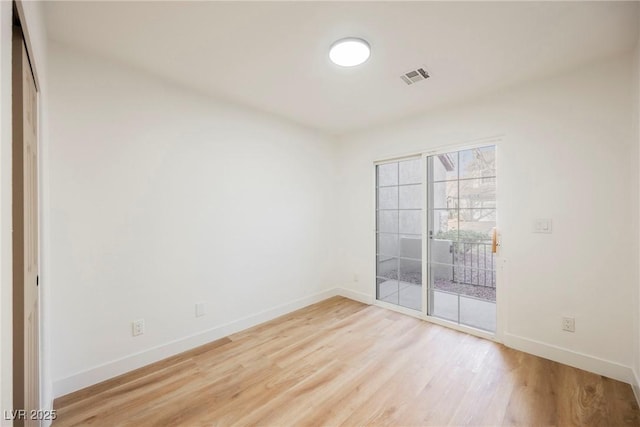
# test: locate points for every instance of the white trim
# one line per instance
(440, 322)
(125, 364)
(467, 145)
(120, 366)
(635, 386)
(502, 279)
(424, 218)
(445, 147)
(398, 309)
(355, 295)
(374, 249)
(462, 328)
(397, 159)
(576, 359)
(27, 41)
(47, 407)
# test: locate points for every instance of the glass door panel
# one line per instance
(461, 216)
(399, 202)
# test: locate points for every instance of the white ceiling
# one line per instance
(274, 56)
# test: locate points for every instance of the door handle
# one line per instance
(494, 240)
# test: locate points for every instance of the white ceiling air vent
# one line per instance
(415, 76)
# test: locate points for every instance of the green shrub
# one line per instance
(463, 235)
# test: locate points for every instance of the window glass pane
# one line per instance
(388, 174)
(445, 195)
(478, 162)
(478, 193)
(387, 267)
(410, 296)
(462, 215)
(410, 197)
(388, 221)
(411, 247)
(444, 305)
(474, 282)
(442, 277)
(411, 172)
(388, 198)
(474, 255)
(442, 251)
(400, 198)
(411, 271)
(445, 224)
(476, 225)
(463, 281)
(478, 215)
(387, 290)
(388, 244)
(445, 166)
(477, 313)
(410, 222)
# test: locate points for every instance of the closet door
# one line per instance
(25, 237)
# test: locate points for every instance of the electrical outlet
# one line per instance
(355, 277)
(569, 324)
(137, 327)
(200, 309)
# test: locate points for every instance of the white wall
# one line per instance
(565, 154)
(161, 198)
(38, 43)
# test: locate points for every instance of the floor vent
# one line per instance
(415, 76)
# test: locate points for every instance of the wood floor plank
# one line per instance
(533, 396)
(488, 395)
(340, 362)
(138, 373)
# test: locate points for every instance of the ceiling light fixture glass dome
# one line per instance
(349, 52)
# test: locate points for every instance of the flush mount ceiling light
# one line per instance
(349, 52)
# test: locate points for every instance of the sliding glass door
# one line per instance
(461, 218)
(449, 199)
(399, 201)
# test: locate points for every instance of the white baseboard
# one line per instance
(47, 407)
(126, 364)
(134, 361)
(354, 295)
(635, 386)
(578, 360)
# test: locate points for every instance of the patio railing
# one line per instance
(474, 264)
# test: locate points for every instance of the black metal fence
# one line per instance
(474, 264)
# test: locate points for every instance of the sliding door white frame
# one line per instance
(500, 263)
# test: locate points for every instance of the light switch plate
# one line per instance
(542, 225)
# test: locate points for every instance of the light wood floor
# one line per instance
(340, 362)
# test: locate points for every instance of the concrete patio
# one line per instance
(474, 312)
